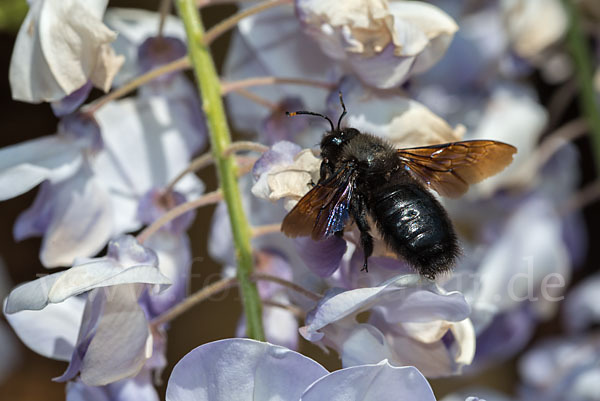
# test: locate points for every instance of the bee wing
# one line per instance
(450, 168)
(324, 209)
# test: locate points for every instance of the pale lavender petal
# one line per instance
(402, 299)
(264, 45)
(281, 326)
(51, 332)
(241, 369)
(122, 341)
(139, 387)
(34, 221)
(25, 165)
(507, 334)
(129, 252)
(379, 382)
(175, 263)
(83, 127)
(322, 257)
(280, 127)
(157, 51)
(276, 264)
(102, 273)
(134, 26)
(135, 264)
(92, 313)
(32, 295)
(281, 153)
(423, 305)
(384, 70)
(220, 238)
(582, 305)
(79, 391)
(365, 344)
(155, 203)
(149, 140)
(70, 103)
(81, 222)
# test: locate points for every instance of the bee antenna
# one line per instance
(343, 113)
(310, 113)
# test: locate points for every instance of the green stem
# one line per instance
(579, 49)
(210, 91)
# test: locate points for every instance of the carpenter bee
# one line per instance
(363, 175)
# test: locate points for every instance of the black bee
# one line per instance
(362, 175)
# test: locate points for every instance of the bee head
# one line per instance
(338, 138)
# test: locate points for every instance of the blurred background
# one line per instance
(29, 375)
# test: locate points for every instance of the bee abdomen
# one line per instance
(416, 226)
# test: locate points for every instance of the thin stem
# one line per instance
(179, 64)
(207, 199)
(278, 280)
(266, 229)
(245, 164)
(227, 87)
(194, 299)
(232, 21)
(212, 103)
(293, 309)
(581, 199)
(197, 164)
(164, 9)
(241, 146)
(580, 53)
(257, 99)
(207, 159)
(555, 141)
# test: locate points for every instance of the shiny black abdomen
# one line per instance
(416, 226)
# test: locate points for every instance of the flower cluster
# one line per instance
(116, 195)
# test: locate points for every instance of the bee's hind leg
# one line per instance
(359, 213)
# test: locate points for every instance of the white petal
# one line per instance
(25, 165)
(58, 49)
(437, 26)
(51, 332)
(241, 369)
(107, 65)
(534, 25)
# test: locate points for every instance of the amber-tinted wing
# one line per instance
(324, 209)
(450, 168)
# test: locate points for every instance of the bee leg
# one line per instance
(325, 171)
(359, 213)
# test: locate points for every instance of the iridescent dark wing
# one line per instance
(450, 168)
(323, 211)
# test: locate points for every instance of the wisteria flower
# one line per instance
(272, 44)
(382, 42)
(137, 35)
(239, 369)
(281, 326)
(411, 322)
(561, 369)
(105, 335)
(533, 26)
(62, 44)
(96, 172)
